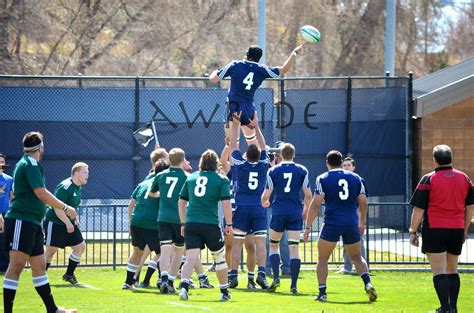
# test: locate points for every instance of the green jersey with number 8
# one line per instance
(203, 190)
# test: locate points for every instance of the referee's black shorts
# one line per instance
(196, 235)
(438, 240)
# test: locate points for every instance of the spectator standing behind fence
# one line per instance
(23, 234)
(444, 201)
(69, 191)
(6, 195)
(343, 192)
(348, 164)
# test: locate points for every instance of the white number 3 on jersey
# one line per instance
(248, 81)
(344, 194)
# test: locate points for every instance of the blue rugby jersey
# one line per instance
(287, 179)
(246, 77)
(251, 178)
(340, 189)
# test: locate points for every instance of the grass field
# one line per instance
(101, 292)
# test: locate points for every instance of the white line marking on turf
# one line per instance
(189, 306)
(88, 286)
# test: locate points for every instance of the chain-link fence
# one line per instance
(92, 119)
(105, 230)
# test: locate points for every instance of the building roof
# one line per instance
(444, 88)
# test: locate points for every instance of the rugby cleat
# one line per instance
(294, 291)
(275, 284)
(321, 298)
(128, 287)
(225, 297)
(164, 288)
(144, 285)
(370, 290)
(262, 282)
(158, 283)
(204, 283)
(183, 294)
(70, 279)
(233, 282)
(251, 285)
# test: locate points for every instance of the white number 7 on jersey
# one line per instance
(248, 80)
(288, 176)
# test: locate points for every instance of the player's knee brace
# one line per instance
(164, 243)
(293, 242)
(274, 241)
(219, 259)
(260, 233)
(250, 138)
(239, 234)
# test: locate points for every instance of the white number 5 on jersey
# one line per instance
(248, 81)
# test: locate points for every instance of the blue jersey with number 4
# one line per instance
(251, 178)
(340, 189)
(286, 180)
(246, 77)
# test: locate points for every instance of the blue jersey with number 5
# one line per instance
(246, 77)
(286, 180)
(340, 189)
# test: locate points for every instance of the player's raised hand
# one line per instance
(237, 116)
(299, 49)
(254, 122)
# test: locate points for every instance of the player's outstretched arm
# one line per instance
(48, 198)
(258, 133)
(291, 60)
(214, 78)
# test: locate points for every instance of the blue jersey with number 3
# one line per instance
(286, 180)
(246, 77)
(340, 189)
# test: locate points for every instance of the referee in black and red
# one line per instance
(444, 201)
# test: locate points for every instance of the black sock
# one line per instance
(45, 293)
(441, 284)
(9, 292)
(48, 265)
(295, 265)
(322, 289)
(454, 286)
(164, 277)
(71, 267)
(149, 273)
(130, 280)
(185, 284)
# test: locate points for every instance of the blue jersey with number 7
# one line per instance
(246, 77)
(340, 189)
(286, 180)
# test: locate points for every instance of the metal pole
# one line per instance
(136, 148)
(114, 236)
(408, 137)
(261, 28)
(349, 116)
(390, 23)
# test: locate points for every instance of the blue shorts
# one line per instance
(250, 219)
(332, 233)
(247, 109)
(280, 223)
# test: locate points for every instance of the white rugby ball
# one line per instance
(310, 33)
